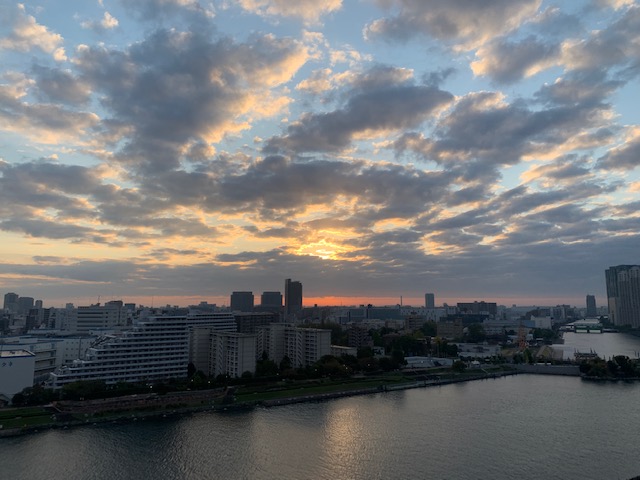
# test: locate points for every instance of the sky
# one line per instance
(174, 151)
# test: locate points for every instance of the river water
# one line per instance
(525, 426)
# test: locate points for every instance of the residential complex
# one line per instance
(157, 348)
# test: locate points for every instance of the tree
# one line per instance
(285, 363)
(266, 368)
(18, 400)
(430, 329)
(459, 366)
(475, 333)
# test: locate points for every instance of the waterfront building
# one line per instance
(232, 354)
(156, 348)
(623, 294)
(16, 371)
(292, 296)
(303, 346)
(429, 300)
(241, 302)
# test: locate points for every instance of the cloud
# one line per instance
(28, 34)
(380, 101)
(157, 10)
(464, 25)
(483, 130)
(507, 62)
(624, 157)
(108, 22)
(175, 89)
(41, 122)
(308, 10)
(57, 85)
(568, 169)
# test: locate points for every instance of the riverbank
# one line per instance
(64, 415)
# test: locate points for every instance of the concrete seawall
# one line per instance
(568, 370)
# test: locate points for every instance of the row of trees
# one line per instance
(619, 366)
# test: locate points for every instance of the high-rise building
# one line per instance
(292, 296)
(11, 302)
(591, 306)
(429, 300)
(623, 294)
(241, 302)
(24, 305)
(303, 346)
(232, 354)
(271, 300)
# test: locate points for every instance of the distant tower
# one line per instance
(271, 300)
(11, 302)
(591, 306)
(429, 300)
(242, 302)
(292, 296)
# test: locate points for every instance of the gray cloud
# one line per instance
(507, 62)
(465, 24)
(624, 157)
(371, 107)
(57, 85)
(174, 88)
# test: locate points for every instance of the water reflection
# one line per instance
(604, 344)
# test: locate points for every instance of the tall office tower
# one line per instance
(242, 302)
(11, 302)
(591, 306)
(24, 305)
(429, 300)
(271, 300)
(292, 296)
(623, 294)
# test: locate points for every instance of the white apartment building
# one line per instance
(303, 346)
(156, 348)
(233, 354)
(16, 371)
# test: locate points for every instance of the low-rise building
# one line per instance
(16, 371)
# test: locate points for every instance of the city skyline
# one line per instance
(175, 151)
